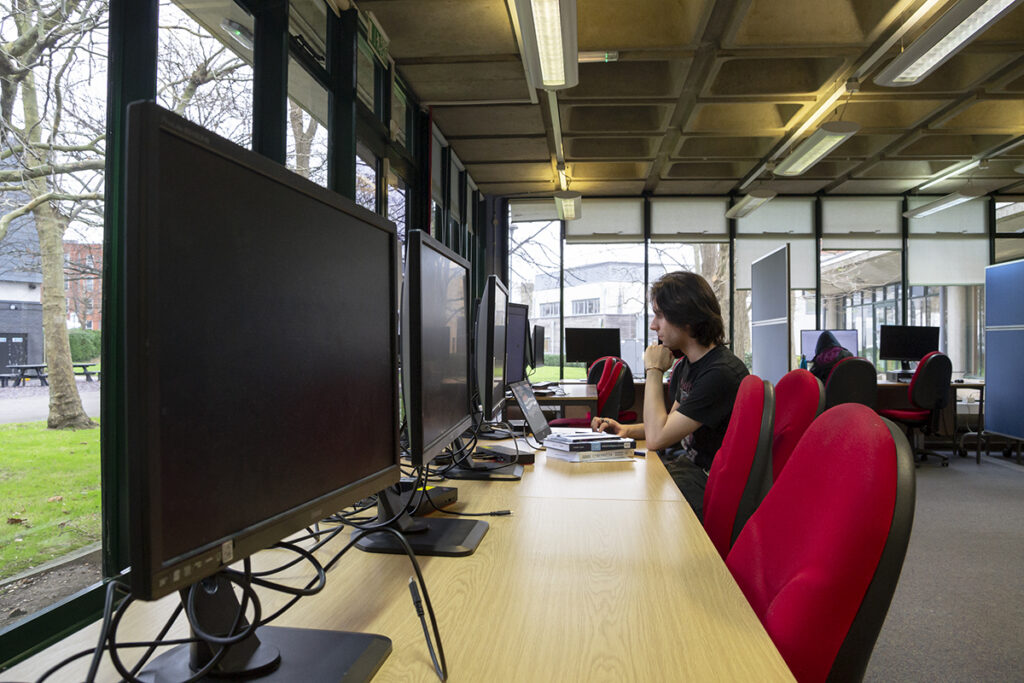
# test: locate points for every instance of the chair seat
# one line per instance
(902, 415)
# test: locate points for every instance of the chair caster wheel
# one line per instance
(945, 463)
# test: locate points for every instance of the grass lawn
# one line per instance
(549, 373)
(49, 493)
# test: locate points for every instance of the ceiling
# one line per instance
(705, 92)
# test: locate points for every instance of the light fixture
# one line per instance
(819, 143)
(569, 205)
(1019, 169)
(598, 56)
(943, 39)
(946, 175)
(751, 201)
(548, 29)
(943, 203)
(241, 34)
(563, 179)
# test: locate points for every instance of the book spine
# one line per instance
(610, 444)
(583, 456)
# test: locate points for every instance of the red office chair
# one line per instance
(741, 471)
(820, 558)
(610, 374)
(799, 398)
(852, 380)
(928, 394)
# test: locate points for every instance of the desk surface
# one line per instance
(601, 573)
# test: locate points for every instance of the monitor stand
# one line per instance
(467, 468)
(271, 653)
(491, 433)
(426, 535)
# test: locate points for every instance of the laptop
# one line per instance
(538, 424)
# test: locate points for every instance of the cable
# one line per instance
(418, 604)
(108, 605)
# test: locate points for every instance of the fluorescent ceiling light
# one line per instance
(548, 30)
(598, 56)
(563, 180)
(241, 34)
(569, 205)
(943, 203)
(946, 175)
(751, 201)
(1019, 169)
(964, 21)
(819, 143)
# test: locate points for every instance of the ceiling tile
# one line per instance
(713, 169)
(444, 28)
(625, 118)
(816, 22)
(750, 118)
(989, 115)
(706, 148)
(608, 170)
(618, 80)
(638, 24)
(507, 172)
(759, 76)
(467, 81)
(501, 149)
(694, 187)
(610, 148)
(489, 121)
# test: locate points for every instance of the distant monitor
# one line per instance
(437, 390)
(907, 343)
(517, 343)
(242, 436)
(848, 339)
(587, 344)
(538, 346)
(490, 347)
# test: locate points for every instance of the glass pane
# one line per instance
(711, 260)
(366, 179)
(533, 266)
(861, 290)
(399, 114)
(50, 531)
(804, 304)
(366, 75)
(1009, 249)
(397, 204)
(613, 274)
(204, 70)
(307, 125)
(1010, 217)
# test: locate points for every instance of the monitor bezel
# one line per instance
(526, 338)
(885, 330)
(810, 356)
(578, 358)
(492, 402)
(152, 576)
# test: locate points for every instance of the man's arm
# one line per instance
(663, 428)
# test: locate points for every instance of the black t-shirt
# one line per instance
(706, 394)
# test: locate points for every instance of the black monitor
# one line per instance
(517, 343)
(490, 347)
(906, 343)
(848, 339)
(538, 346)
(261, 323)
(437, 391)
(587, 344)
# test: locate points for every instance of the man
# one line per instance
(687, 319)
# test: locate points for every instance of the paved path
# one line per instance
(32, 403)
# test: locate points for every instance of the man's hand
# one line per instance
(606, 424)
(658, 357)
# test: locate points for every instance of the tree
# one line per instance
(52, 153)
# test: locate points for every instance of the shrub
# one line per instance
(85, 345)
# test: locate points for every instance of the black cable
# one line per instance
(418, 604)
(494, 513)
(108, 606)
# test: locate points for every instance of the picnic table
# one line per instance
(24, 372)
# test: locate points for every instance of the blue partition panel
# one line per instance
(1004, 349)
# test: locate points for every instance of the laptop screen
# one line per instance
(531, 410)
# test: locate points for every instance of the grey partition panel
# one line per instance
(1004, 349)
(770, 337)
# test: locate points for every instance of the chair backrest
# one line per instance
(741, 471)
(852, 380)
(799, 398)
(820, 558)
(929, 387)
(605, 373)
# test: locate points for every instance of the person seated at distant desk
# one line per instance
(827, 352)
(687, 318)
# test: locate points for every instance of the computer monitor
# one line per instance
(517, 343)
(538, 346)
(261, 323)
(437, 391)
(906, 343)
(848, 339)
(490, 347)
(527, 401)
(586, 344)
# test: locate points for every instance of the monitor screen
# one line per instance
(585, 345)
(435, 346)
(523, 393)
(848, 339)
(260, 326)
(907, 343)
(538, 346)
(517, 343)
(490, 347)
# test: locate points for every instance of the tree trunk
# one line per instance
(66, 410)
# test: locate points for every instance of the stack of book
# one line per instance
(586, 447)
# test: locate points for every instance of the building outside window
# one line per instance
(586, 306)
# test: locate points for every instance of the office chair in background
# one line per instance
(741, 472)
(852, 380)
(799, 398)
(614, 382)
(929, 394)
(820, 558)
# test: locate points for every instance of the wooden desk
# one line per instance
(571, 394)
(601, 573)
(894, 395)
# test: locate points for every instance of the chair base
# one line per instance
(923, 454)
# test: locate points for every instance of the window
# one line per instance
(586, 306)
(366, 179)
(550, 310)
(533, 273)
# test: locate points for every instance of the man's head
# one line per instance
(686, 301)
